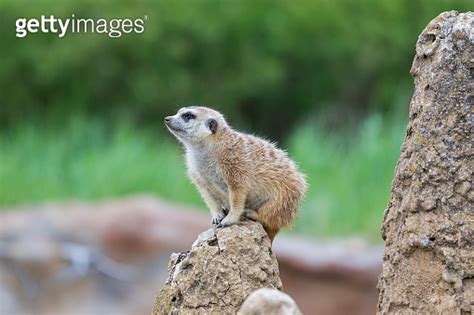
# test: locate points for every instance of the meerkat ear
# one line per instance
(212, 125)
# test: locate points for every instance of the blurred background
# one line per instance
(82, 139)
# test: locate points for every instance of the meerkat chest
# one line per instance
(206, 167)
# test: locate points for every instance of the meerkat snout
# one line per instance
(244, 174)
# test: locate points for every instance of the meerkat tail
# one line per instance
(271, 233)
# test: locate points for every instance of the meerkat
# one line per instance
(237, 174)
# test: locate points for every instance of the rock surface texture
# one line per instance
(219, 272)
(428, 225)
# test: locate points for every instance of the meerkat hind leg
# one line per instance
(251, 214)
(237, 201)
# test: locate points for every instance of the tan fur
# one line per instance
(243, 173)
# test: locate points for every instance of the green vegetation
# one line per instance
(89, 160)
(349, 177)
(80, 116)
(248, 58)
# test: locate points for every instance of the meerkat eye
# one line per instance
(188, 116)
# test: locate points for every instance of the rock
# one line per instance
(429, 222)
(203, 237)
(269, 301)
(216, 275)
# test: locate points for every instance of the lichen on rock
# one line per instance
(222, 268)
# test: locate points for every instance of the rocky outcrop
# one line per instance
(219, 272)
(428, 226)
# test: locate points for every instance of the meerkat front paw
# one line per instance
(216, 221)
(227, 221)
(219, 217)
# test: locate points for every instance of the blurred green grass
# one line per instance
(91, 159)
(88, 160)
(350, 176)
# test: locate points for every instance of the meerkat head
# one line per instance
(195, 124)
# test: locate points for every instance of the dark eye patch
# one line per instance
(188, 116)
